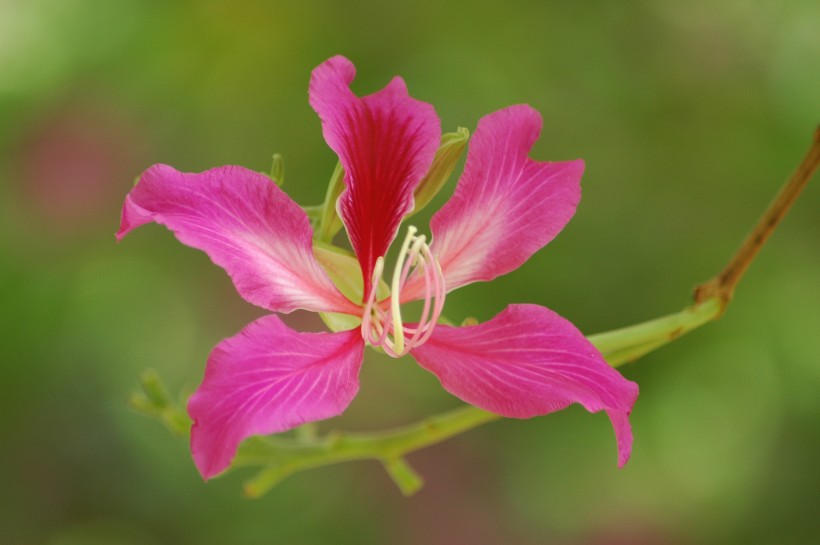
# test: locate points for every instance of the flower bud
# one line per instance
(277, 169)
(448, 153)
(329, 222)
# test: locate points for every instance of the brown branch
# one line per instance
(723, 285)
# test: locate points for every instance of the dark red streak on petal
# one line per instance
(386, 142)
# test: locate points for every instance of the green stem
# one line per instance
(287, 456)
(405, 477)
(630, 343)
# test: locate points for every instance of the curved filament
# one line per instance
(384, 327)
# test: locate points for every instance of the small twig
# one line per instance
(723, 285)
(627, 344)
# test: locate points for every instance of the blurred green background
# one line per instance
(689, 116)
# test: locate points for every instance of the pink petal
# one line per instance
(505, 207)
(386, 142)
(247, 225)
(268, 379)
(528, 361)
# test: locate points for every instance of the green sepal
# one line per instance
(329, 222)
(445, 161)
(314, 213)
(344, 270)
(336, 321)
(277, 169)
(342, 267)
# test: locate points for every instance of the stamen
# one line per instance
(439, 292)
(423, 324)
(385, 327)
(371, 299)
(398, 334)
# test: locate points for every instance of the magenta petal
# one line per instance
(506, 206)
(268, 379)
(386, 142)
(247, 225)
(528, 361)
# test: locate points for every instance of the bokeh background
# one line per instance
(689, 116)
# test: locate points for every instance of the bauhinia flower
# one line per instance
(524, 362)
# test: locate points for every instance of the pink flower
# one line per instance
(527, 361)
